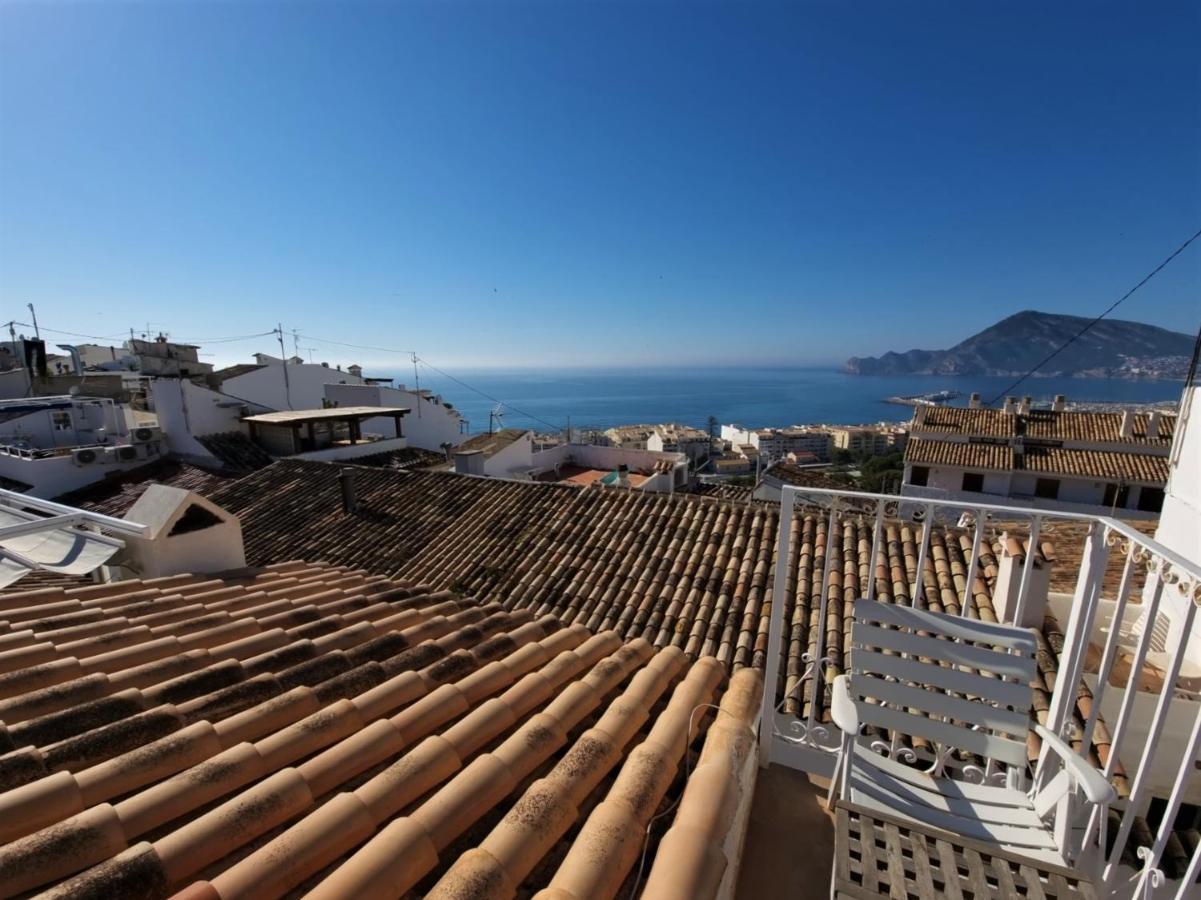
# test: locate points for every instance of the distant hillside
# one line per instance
(1110, 349)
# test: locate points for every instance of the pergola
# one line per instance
(308, 419)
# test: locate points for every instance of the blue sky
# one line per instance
(596, 183)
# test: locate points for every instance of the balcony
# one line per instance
(1119, 651)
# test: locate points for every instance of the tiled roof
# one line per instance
(1101, 464)
(114, 496)
(1096, 464)
(676, 569)
(722, 491)
(236, 451)
(304, 727)
(925, 451)
(492, 443)
(1044, 424)
(407, 458)
(221, 375)
(317, 729)
(803, 477)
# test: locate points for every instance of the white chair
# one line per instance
(950, 699)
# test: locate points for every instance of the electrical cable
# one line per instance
(1111, 308)
(441, 372)
(93, 337)
(309, 337)
(464, 384)
(688, 739)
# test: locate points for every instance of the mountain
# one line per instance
(1110, 349)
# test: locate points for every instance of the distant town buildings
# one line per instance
(1057, 459)
(815, 441)
(514, 453)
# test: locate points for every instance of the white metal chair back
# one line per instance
(958, 686)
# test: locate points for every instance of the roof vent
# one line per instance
(1127, 424)
(350, 502)
(1153, 423)
(1059, 403)
(974, 402)
(1024, 407)
(1010, 405)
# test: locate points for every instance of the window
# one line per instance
(61, 421)
(1047, 488)
(973, 481)
(1116, 496)
(1150, 499)
(919, 475)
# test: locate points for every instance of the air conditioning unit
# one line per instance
(145, 433)
(126, 453)
(85, 456)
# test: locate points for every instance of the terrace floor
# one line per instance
(789, 849)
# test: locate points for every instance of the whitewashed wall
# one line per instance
(429, 425)
(305, 387)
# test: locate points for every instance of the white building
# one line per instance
(777, 443)
(1180, 520)
(52, 445)
(431, 425)
(188, 412)
(513, 453)
(676, 438)
(278, 384)
(1087, 462)
(162, 357)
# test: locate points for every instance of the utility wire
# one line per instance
(486, 396)
(1054, 353)
(309, 337)
(94, 337)
(441, 372)
(226, 340)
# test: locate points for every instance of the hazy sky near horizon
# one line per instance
(596, 183)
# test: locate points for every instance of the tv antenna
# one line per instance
(496, 414)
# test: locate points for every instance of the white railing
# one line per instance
(1153, 582)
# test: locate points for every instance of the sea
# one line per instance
(547, 399)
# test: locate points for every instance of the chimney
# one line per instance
(469, 462)
(919, 415)
(1024, 407)
(623, 476)
(1009, 406)
(1153, 423)
(350, 503)
(974, 402)
(1127, 424)
(1009, 582)
(1059, 403)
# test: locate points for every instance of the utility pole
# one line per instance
(279, 333)
(36, 333)
(417, 385)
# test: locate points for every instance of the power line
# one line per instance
(227, 340)
(441, 372)
(487, 396)
(309, 337)
(1054, 353)
(94, 337)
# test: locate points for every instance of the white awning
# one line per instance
(51, 538)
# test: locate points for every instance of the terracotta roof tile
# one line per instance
(1045, 425)
(516, 736)
(1104, 464)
